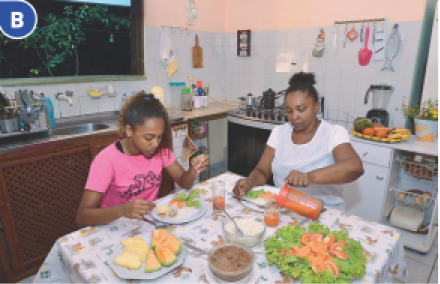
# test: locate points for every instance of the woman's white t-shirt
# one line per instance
(307, 157)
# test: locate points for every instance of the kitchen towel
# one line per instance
(379, 44)
(167, 55)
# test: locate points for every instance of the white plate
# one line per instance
(125, 273)
(251, 278)
(266, 188)
(164, 202)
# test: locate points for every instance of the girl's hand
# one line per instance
(200, 163)
(242, 187)
(136, 209)
(298, 179)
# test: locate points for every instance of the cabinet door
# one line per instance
(365, 196)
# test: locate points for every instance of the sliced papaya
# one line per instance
(158, 236)
(173, 244)
(164, 255)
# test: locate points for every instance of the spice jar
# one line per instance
(186, 100)
(300, 202)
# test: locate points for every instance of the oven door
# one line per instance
(246, 143)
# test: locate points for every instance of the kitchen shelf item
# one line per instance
(365, 54)
(427, 169)
(188, 148)
(413, 200)
(378, 139)
(197, 52)
(244, 43)
(9, 124)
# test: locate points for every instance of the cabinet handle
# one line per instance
(379, 178)
(366, 153)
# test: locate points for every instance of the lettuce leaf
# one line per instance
(286, 237)
(254, 193)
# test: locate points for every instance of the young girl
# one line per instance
(125, 177)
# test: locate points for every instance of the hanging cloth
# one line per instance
(167, 55)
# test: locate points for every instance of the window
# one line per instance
(75, 38)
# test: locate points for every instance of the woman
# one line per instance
(125, 177)
(306, 152)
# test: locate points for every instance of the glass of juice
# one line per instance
(272, 216)
(218, 193)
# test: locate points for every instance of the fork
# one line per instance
(247, 200)
(155, 224)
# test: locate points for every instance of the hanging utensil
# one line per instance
(393, 46)
(197, 53)
(365, 54)
(344, 37)
(362, 36)
(352, 34)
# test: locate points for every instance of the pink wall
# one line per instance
(231, 15)
(289, 14)
(211, 14)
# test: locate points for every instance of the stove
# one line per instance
(275, 116)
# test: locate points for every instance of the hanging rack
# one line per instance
(361, 21)
(173, 29)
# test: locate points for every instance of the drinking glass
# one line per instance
(218, 194)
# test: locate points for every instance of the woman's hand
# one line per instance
(200, 163)
(298, 179)
(241, 187)
(136, 209)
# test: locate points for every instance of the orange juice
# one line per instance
(272, 218)
(221, 201)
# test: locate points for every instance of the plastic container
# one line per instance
(175, 88)
(231, 275)
(186, 99)
(300, 203)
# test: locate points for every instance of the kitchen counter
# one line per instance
(32, 141)
(411, 145)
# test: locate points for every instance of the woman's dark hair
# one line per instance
(303, 82)
(139, 108)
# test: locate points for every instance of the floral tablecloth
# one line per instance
(82, 255)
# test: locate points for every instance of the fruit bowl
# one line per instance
(378, 139)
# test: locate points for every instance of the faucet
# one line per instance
(68, 97)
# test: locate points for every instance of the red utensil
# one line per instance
(365, 54)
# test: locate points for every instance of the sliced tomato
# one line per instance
(338, 253)
(304, 251)
(306, 238)
(338, 245)
(181, 204)
(329, 240)
(332, 266)
(317, 237)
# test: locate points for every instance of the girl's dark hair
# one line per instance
(303, 82)
(140, 107)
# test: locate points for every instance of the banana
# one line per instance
(399, 130)
(394, 136)
(406, 136)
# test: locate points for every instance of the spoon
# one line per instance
(230, 218)
(202, 251)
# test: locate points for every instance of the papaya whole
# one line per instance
(361, 123)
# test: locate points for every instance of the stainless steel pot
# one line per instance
(251, 101)
(9, 124)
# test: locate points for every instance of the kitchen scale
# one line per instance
(407, 217)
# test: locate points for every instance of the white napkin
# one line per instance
(167, 55)
(379, 44)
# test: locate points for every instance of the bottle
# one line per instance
(123, 99)
(299, 202)
(50, 112)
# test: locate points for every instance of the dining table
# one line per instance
(83, 255)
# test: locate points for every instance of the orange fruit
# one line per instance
(369, 131)
(381, 133)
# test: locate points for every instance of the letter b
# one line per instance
(16, 20)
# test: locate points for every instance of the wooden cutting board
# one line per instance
(197, 52)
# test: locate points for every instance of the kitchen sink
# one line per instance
(79, 128)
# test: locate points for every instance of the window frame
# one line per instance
(137, 67)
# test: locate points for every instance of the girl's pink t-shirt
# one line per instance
(122, 178)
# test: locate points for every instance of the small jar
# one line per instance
(300, 202)
(186, 100)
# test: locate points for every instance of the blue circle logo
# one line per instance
(18, 18)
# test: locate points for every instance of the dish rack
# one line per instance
(18, 127)
(425, 170)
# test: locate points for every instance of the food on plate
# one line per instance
(152, 263)
(134, 253)
(316, 254)
(236, 262)
(164, 255)
(426, 197)
(180, 206)
(181, 200)
(173, 244)
(361, 123)
(401, 196)
(166, 212)
(249, 226)
(369, 131)
(377, 125)
(253, 194)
